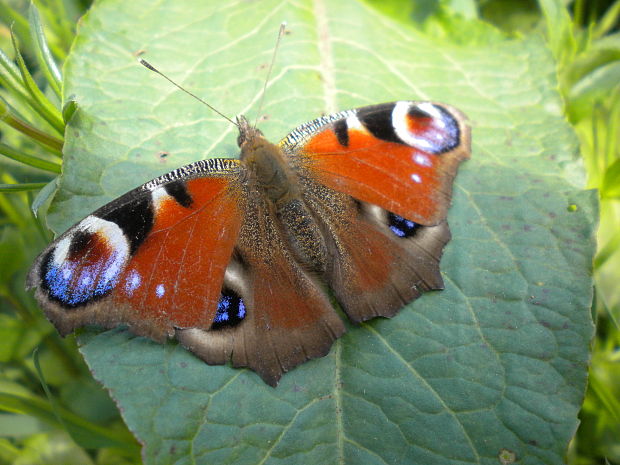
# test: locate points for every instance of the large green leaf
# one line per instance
(490, 369)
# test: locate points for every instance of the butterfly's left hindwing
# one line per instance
(154, 258)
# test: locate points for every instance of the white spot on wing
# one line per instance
(353, 122)
(159, 195)
(133, 281)
(116, 240)
(430, 109)
(114, 267)
(422, 160)
(61, 251)
(108, 230)
(416, 178)
(401, 125)
(160, 290)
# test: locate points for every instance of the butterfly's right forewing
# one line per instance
(153, 259)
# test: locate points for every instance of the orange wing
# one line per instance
(401, 156)
(153, 259)
(379, 180)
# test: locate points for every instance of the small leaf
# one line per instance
(46, 61)
(22, 187)
(37, 100)
(611, 181)
(44, 197)
(608, 249)
(559, 29)
(609, 21)
(10, 116)
(596, 85)
(28, 159)
(68, 109)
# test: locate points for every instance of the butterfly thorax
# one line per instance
(267, 165)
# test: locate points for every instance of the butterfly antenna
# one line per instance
(147, 65)
(273, 60)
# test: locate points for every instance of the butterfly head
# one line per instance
(247, 132)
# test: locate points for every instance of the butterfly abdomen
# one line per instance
(303, 234)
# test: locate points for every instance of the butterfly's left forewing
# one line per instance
(153, 259)
(401, 156)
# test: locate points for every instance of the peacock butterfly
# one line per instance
(236, 258)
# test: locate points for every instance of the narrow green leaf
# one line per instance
(38, 100)
(21, 187)
(559, 29)
(10, 71)
(608, 22)
(28, 159)
(10, 79)
(10, 116)
(611, 181)
(46, 61)
(91, 435)
(609, 249)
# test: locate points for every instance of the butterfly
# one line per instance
(238, 258)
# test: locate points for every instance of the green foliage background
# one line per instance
(67, 418)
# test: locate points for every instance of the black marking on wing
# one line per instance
(378, 120)
(135, 218)
(80, 240)
(342, 132)
(178, 190)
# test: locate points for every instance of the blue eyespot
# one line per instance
(73, 284)
(400, 226)
(230, 310)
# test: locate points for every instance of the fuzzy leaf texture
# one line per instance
(492, 368)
